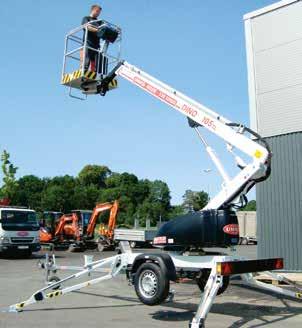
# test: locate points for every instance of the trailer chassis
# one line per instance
(172, 267)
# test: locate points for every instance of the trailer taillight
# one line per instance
(225, 268)
(237, 267)
(279, 264)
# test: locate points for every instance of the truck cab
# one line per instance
(50, 220)
(19, 230)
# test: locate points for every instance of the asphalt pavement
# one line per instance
(114, 303)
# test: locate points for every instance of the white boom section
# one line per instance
(211, 121)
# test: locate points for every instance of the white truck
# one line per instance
(247, 227)
(19, 231)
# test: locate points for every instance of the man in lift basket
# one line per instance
(93, 38)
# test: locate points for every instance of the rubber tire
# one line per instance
(100, 247)
(73, 248)
(162, 282)
(201, 283)
(132, 244)
(244, 241)
(54, 279)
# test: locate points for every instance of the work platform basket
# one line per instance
(84, 66)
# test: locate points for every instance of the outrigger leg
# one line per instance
(249, 279)
(213, 284)
(117, 264)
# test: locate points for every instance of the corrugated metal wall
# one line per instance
(279, 203)
(276, 52)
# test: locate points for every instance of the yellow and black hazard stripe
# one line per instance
(20, 305)
(54, 294)
(76, 74)
(113, 84)
(90, 75)
(66, 78)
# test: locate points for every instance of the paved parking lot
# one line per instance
(114, 303)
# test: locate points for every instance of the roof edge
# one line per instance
(269, 8)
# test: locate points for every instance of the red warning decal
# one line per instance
(231, 229)
(160, 240)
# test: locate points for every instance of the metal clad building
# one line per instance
(274, 58)
(279, 203)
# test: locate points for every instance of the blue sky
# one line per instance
(196, 46)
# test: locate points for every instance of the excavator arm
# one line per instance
(100, 208)
(112, 219)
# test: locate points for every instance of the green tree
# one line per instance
(10, 184)
(145, 211)
(140, 199)
(160, 193)
(195, 200)
(29, 192)
(128, 190)
(250, 206)
(55, 198)
(66, 181)
(58, 194)
(85, 197)
(94, 175)
(158, 202)
(175, 210)
(127, 185)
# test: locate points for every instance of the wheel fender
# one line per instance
(164, 261)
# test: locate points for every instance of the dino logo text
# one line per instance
(231, 229)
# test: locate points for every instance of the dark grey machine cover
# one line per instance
(210, 228)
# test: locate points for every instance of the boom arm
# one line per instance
(199, 115)
(113, 207)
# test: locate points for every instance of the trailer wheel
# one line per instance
(102, 243)
(101, 247)
(75, 248)
(53, 279)
(202, 281)
(151, 285)
(244, 241)
(132, 244)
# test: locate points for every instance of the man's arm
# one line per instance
(90, 28)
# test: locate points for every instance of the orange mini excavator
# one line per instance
(69, 230)
(105, 238)
(66, 231)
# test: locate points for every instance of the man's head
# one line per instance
(95, 11)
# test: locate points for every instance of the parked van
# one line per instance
(19, 230)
